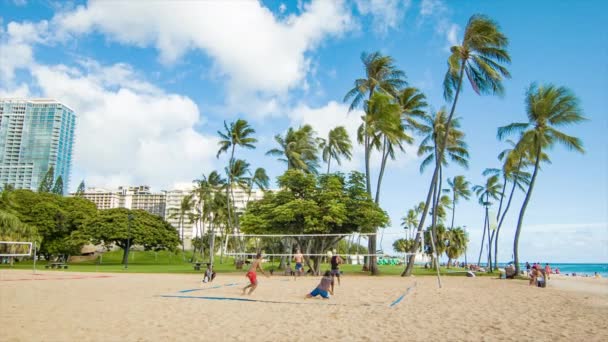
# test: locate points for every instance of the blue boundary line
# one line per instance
(209, 288)
(259, 300)
(398, 300)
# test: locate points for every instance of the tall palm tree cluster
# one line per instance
(393, 116)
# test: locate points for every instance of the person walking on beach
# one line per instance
(548, 271)
(298, 258)
(256, 264)
(335, 268)
(528, 268)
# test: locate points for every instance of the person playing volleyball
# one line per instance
(256, 264)
(335, 267)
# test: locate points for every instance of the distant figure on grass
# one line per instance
(209, 274)
(335, 267)
(256, 264)
(298, 258)
(325, 287)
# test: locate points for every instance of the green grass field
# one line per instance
(168, 262)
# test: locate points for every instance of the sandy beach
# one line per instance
(62, 306)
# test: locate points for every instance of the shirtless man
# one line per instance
(256, 264)
(299, 260)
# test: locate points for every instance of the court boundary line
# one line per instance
(64, 278)
(263, 300)
(400, 298)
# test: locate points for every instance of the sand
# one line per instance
(62, 306)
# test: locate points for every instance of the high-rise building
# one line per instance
(35, 135)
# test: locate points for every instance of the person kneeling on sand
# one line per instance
(209, 274)
(324, 287)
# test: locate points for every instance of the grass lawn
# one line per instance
(168, 262)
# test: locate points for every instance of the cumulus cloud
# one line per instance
(386, 14)
(16, 47)
(128, 130)
(259, 54)
(437, 12)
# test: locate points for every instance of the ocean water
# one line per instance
(579, 269)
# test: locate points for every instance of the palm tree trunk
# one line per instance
(502, 218)
(453, 208)
(328, 164)
(483, 238)
(412, 258)
(522, 212)
(381, 174)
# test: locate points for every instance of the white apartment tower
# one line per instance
(35, 134)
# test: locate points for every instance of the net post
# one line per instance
(34, 257)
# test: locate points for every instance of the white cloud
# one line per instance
(386, 14)
(130, 133)
(259, 54)
(128, 130)
(439, 14)
(16, 47)
(20, 2)
(282, 8)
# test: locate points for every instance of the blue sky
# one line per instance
(152, 84)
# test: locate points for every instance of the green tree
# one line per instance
(511, 171)
(298, 149)
(459, 188)
(113, 226)
(58, 187)
(239, 133)
(81, 189)
(336, 146)
(183, 213)
(307, 204)
(486, 192)
(381, 75)
(457, 243)
(46, 184)
(259, 179)
(480, 56)
(12, 229)
(548, 108)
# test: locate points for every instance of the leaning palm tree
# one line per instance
(298, 149)
(511, 171)
(182, 213)
(259, 179)
(460, 188)
(381, 75)
(485, 192)
(336, 146)
(480, 56)
(239, 133)
(548, 108)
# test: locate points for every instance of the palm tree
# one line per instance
(12, 229)
(239, 173)
(548, 108)
(457, 243)
(336, 146)
(480, 55)
(239, 133)
(259, 179)
(184, 211)
(490, 190)
(459, 187)
(298, 149)
(511, 171)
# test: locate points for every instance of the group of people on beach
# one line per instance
(325, 287)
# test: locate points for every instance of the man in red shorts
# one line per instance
(256, 264)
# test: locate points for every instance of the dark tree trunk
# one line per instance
(412, 258)
(522, 212)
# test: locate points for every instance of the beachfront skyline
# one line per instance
(155, 88)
